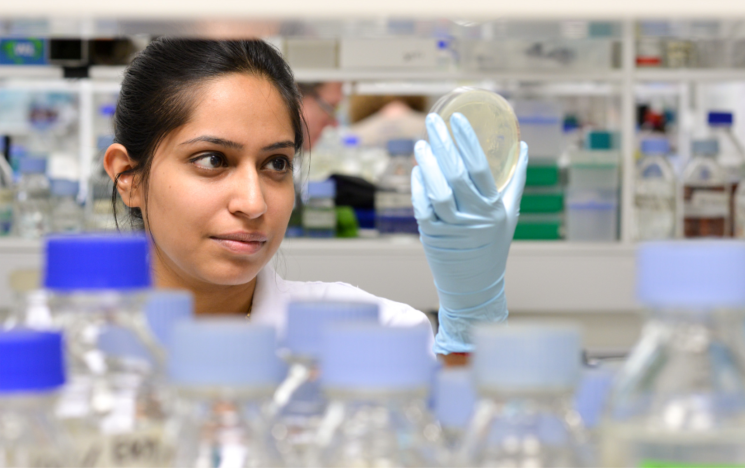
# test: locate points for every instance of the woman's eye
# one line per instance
(209, 161)
(281, 164)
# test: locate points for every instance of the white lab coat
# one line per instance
(272, 294)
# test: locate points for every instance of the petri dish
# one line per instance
(494, 122)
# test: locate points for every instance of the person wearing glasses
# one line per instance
(206, 137)
(319, 104)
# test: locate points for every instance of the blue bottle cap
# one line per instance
(322, 189)
(97, 262)
(455, 397)
(306, 321)
(691, 275)
(166, 307)
(514, 358)
(655, 146)
(372, 357)
(592, 394)
(223, 352)
(351, 140)
(402, 147)
(32, 361)
(29, 165)
(723, 119)
(708, 147)
(64, 188)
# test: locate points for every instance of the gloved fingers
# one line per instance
(513, 193)
(451, 164)
(473, 156)
(436, 187)
(423, 210)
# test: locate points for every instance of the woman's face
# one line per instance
(220, 190)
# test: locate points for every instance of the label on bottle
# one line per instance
(666, 464)
(314, 218)
(134, 449)
(705, 203)
(392, 200)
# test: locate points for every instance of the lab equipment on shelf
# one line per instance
(99, 210)
(592, 196)
(319, 211)
(679, 400)
(31, 212)
(454, 402)
(525, 377)
(7, 196)
(655, 192)
(706, 195)
(299, 402)
(377, 380)
(541, 127)
(494, 123)
(31, 374)
(66, 215)
(223, 390)
(394, 211)
(113, 404)
(731, 157)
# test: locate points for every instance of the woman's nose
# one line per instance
(247, 197)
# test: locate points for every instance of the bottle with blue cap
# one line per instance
(32, 209)
(706, 193)
(454, 403)
(655, 192)
(67, 214)
(319, 211)
(394, 211)
(299, 402)
(377, 379)
(31, 374)
(525, 377)
(224, 373)
(731, 156)
(113, 403)
(679, 400)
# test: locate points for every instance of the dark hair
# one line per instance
(160, 84)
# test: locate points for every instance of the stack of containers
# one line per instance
(542, 206)
(592, 192)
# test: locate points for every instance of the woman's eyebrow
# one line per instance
(215, 141)
(279, 145)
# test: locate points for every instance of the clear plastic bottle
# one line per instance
(454, 402)
(224, 373)
(394, 212)
(113, 404)
(655, 192)
(299, 402)
(494, 123)
(731, 156)
(679, 400)
(377, 379)
(31, 210)
(67, 214)
(525, 377)
(31, 373)
(706, 197)
(319, 211)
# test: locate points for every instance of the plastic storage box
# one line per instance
(594, 170)
(592, 215)
(541, 125)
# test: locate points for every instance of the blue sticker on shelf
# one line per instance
(23, 51)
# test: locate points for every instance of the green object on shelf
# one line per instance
(539, 228)
(542, 201)
(346, 222)
(542, 175)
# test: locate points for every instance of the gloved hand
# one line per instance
(466, 227)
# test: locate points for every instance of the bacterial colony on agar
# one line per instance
(495, 124)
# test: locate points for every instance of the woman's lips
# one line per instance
(245, 243)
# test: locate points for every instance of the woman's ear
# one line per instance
(117, 162)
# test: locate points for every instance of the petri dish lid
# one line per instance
(494, 122)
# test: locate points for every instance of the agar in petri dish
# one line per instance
(495, 124)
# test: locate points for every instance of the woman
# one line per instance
(206, 137)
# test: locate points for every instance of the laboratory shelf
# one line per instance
(541, 276)
(30, 71)
(310, 75)
(690, 75)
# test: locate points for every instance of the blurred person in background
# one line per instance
(319, 104)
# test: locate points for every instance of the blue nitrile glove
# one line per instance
(466, 227)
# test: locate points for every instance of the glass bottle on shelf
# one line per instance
(67, 214)
(525, 377)
(679, 399)
(7, 197)
(31, 210)
(731, 156)
(706, 207)
(319, 211)
(654, 191)
(394, 211)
